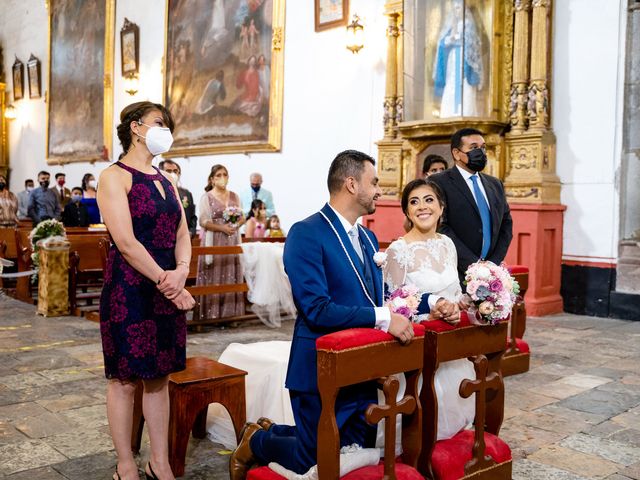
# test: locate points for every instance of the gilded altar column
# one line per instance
(390, 98)
(518, 104)
(538, 95)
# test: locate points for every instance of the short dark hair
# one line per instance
(43, 172)
(27, 181)
(79, 189)
(456, 138)
(162, 164)
(420, 182)
(349, 163)
(60, 174)
(430, 160)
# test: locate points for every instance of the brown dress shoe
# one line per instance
(265, 423)
(242, 457)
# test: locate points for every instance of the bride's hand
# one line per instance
(447, 311)
(464, 303)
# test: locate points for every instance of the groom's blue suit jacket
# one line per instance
(327, 291)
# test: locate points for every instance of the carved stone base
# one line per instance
(390, 171)
(628, 271)
(537, 243)
(531, 166)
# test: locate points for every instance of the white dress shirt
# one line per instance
(383, 314)
(467, 179)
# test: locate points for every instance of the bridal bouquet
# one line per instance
(492, 290)
(232, 215)
(404, 300)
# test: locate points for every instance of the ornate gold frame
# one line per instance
(276, 96)
(4, 143)
(107, 133)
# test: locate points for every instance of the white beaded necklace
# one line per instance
(344, 249)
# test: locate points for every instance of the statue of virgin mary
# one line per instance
(458, 69)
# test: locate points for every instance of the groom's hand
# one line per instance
(401, 328)
(447, 311)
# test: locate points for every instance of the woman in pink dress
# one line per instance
(216, 231)
(257, 220)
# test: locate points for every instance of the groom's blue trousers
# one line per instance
(295, 447)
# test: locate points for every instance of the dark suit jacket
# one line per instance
(461, 219)
(327, 292)
(75, 215)
(186, 199)
(67, 195)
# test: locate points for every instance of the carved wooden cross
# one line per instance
(483, 382)
(388, 412)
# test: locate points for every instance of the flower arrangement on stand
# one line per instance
(492, 290)
(44, 229)
(404, 301)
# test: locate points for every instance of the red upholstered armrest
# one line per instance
(358, 337)
(522, 345)
(513, 269)
(442, 326)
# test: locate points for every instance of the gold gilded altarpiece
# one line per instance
(470, 63)
(4, 143)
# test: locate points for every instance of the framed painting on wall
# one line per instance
(224, 75)
(331, 13)
(80, 98)
(33, 73)
(17, 71)
(129, 48)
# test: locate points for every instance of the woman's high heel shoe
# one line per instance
(151, 475)
(117, 475)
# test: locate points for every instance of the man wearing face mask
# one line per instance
(257, 192)
(44, 204)
(476, 215)
(23, 200)
(75, 213)
(64, 194)
(186, 199)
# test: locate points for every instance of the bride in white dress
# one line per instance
(428, 260)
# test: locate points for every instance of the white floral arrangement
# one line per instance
(45, 229)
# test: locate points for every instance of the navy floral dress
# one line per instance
(143, 333)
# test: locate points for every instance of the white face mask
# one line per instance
(175, 177)
(92, 184)
(158, 139)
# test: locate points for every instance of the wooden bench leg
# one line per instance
(200, 423)
(232, 397)
(181, 421)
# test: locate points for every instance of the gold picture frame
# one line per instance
(17, 73)
(34, 76)
(81, 86)
(223, 76)
(331, 14)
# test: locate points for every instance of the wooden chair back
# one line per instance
(8, 236)
(197, 290)
(23, 251)
(343, 364)
(85, 268)
(460, 343)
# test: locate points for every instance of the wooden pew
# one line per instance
(518, 356)
(85, 270)
(23, 251)
(8, 236)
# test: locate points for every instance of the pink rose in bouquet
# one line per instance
(492, 290)
(404, 301)
(232, 215)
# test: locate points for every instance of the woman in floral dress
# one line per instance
(143, 303)
(216, 231)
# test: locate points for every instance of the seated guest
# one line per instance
(257, 192)
(75, 213)
(433, 164)
(89, 190)
(257, 220)
(273, 228)
(23, 200)
(64, 194)
(8, 205)
(44, 204)
(173, 169)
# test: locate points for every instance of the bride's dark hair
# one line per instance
(420, 182)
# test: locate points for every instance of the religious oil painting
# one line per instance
(129, 48)
(33, 72)
(17, 71)
(331, 13)
(447, 59)
(224, 75)
(80, 100)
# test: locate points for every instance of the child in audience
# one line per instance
(273, 227)
(256, 220)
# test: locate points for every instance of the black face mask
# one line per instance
(44, 184)
(2, 185)
(255, 189)
(477, 159)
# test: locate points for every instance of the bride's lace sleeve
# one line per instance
(394, 270)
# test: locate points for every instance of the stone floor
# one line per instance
(575, 415)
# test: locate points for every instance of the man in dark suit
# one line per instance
(63, 193)
(476, 215)
(336, 285)
(186, 199)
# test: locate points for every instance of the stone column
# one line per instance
(538, 96)
(518, 105)
(390, 98)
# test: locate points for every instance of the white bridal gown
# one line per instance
(432, 267)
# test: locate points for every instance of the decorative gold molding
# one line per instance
(4, 140)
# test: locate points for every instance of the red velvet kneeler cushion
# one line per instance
(450, 456)
(522, 345)
(442, 326)
(372, 472)
(358, 337)
(513, 269)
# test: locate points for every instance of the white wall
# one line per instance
(587, 119)
(332, 100)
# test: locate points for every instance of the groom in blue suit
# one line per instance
(336, 285)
